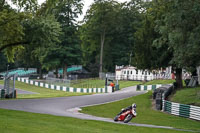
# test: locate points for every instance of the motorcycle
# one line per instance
(126, 116)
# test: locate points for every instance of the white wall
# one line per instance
(198, 73)
(130, 73)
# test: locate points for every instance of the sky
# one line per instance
(87, 4)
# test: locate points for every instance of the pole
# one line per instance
(130, 59)
(7, 68)
(106, 82)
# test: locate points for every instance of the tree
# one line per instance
(119, 21)
(66, 13)
(147, 53)
(99, 23)
(44, 35)
(4, 62)
(11, 30)
(171, 36)
(23, 34)
(180, 26)
(25, 31)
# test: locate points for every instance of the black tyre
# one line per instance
(116, 118)
(128, 118)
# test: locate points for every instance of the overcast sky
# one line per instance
(87, 3)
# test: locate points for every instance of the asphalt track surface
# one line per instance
(69, 106)
(59, 106)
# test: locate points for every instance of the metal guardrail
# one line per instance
(183, 110)
(178, 109)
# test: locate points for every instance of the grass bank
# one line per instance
(187, 96)
(153, 82)
(124, 84)
(42, 92)
(24, 122)
(146, 115)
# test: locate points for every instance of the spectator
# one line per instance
(112, 85)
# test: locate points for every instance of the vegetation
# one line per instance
(19, 122)
(170, 36)
(105, 30)
(42, 92)
(146, 114)
(187, 96)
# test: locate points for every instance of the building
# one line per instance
(132, 73)
(198, 73)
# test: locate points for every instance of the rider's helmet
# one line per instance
(134, 105)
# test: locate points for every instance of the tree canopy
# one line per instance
(107, 34)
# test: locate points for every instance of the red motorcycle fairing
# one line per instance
(123, 115)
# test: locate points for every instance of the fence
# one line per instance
(142, 77)
(107, 75)
(56, 81)
(147, 87)
(88, 83)
(64, 88)
(9, 87)
(77, 83)
(183, 110)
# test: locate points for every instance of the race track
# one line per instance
(59, 106)
(69, 106)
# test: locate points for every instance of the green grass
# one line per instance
(187, 96)
(43, 92)
(24, 122)
(146, 115)
(88, 83)
(153, 82)
(124, 84)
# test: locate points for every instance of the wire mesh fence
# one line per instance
(88, 83)
(76, 83)
(57, 81)
(9, 86)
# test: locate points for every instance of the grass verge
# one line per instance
(42, 92)
(153, 82)
(146, 115)
(187, 96)
(124, 84)
(24, 122)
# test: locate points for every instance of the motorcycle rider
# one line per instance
(133, 106)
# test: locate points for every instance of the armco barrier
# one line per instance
(148, 87)
(64, 88)
(183, 110)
